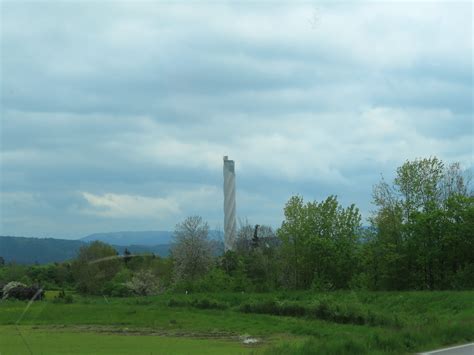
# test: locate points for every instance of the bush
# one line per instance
(206, 303)
(464, 278)
(63, 297)
(264, 307)
(323, 309)
(9, 286)
(177, 303)
(292, 309)
(143, 283)
(20, 291)
(203, 303)
(117, 290)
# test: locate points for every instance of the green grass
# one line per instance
(43, 341)
(337, 322)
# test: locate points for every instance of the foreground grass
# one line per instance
(47, 341)
(338, 322)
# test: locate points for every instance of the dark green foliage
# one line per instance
(24, 293)
(94, 266)
(200, 303)
(126, 256)
(324, 309)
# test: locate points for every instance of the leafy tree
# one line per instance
(230, 262)
(95, 264)
(422, 222)
(319, 242)
(244, 237)
(256, 255)
(192, 249)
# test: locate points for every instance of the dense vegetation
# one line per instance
(421, 238)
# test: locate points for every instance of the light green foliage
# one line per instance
(319, 243)
(423, 229)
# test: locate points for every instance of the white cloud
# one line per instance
(125, 206)
(135, 103)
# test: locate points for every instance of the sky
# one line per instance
(115, 115)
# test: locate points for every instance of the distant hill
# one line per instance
(141, 237)
(37, 250)
(132, 238)
(46, 250)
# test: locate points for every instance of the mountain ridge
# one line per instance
(125, 238)
(27, 250)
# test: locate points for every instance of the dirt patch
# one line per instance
(116, 330)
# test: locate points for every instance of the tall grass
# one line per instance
(344, 313)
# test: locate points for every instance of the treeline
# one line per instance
(421, 237)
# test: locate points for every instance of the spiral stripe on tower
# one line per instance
(230, 227)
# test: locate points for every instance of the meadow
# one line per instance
(345, 322)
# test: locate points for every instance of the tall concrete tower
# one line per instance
(230, 227)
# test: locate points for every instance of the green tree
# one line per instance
(422, 223)
(95, 264)
(319, 243)
(256, 250)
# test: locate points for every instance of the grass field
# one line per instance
(68, 341)
(291, 322)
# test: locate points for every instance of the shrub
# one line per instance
(117, 290)
(20, 291)
(143, 283)
(177, 303)
(206, 303)
(203, 303)
(63, 297)
(292, 309)
(9, 286)
(324, 309)
(265, 307)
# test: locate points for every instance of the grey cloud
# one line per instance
(144, 99)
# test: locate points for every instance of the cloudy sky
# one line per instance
(116, 115)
